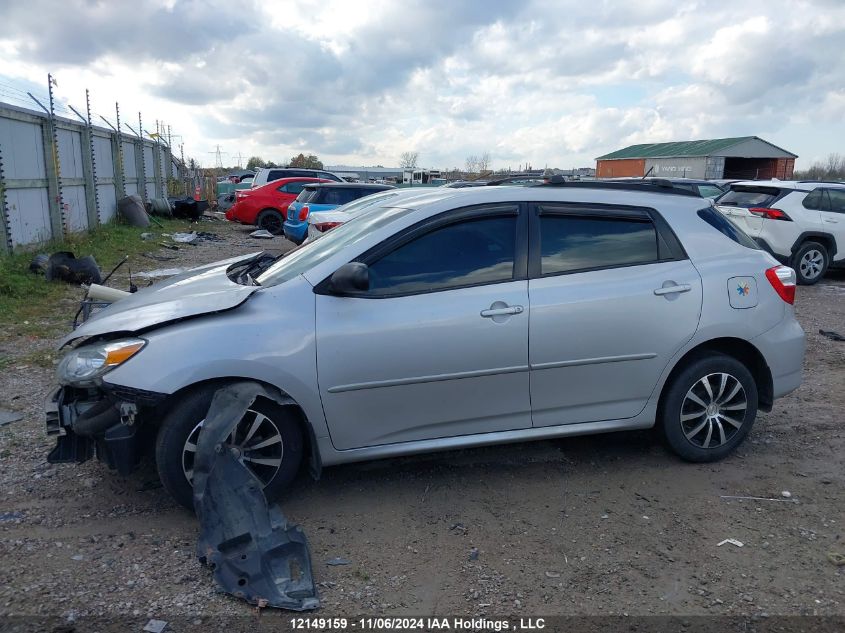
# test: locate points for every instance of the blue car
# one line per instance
(322, 197)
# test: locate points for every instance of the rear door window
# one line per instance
(748, 196)
(837, 200)
(570, 243)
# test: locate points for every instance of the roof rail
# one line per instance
(507, 179)
(653, 186)
(824, 182)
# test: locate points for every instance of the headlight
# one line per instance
(82, 365)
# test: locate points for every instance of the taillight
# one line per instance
(783, 280)
(303, 213)
(769, 214)
(326, 226)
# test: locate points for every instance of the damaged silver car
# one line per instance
(454, 318)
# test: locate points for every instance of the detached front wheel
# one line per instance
(708, 408)
(267, 439)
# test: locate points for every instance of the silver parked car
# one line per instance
(463, 317)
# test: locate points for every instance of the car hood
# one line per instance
(197, 291)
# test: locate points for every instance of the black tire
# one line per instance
(675, 407)
(181, 421)
(271, 220)
(808, 268)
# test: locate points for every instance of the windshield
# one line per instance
(312, 253)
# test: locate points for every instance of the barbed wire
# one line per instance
(25, 99)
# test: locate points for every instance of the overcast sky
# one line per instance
(548, 83)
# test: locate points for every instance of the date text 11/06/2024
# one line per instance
(416, 623)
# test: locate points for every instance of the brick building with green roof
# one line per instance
(744, 157)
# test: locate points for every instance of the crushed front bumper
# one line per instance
(106, 422)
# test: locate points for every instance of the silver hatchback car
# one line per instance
(446, 319)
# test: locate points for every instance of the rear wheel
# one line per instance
(810, 263)
(708, 408)
(270, 220)
(267, 438)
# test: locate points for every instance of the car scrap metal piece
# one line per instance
(252, 550)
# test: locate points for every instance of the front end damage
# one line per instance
(103, 421)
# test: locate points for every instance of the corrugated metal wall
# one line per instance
(29, 172)
(689, 167)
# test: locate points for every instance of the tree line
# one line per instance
(303, 161)
(832, 168)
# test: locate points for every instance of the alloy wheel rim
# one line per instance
(258, 442)
(271, 223)
(811, 264)
(713, 411)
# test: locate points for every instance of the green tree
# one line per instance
(255, 162)
(306, 162)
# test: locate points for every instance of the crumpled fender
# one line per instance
(253, 551)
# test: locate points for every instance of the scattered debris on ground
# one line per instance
(262, 234)
(65, 266)
(732, 541)
(131, 208)
(188, 208)
(834, 336)
(337, 562)
(155, 626)
(195, 236)
(740, 498)
(161, 206)
(251, 548)
(184, 238)
(7, 417)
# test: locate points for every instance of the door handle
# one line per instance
(494, 312)
(831, 221)
(670, 290)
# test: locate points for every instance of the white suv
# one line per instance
(801, 223)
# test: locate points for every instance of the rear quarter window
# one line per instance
(570, 243)
(306, 194)
(727, 228)
(710, 191)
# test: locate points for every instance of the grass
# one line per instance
(34, 307)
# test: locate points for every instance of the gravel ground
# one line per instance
(608, 524)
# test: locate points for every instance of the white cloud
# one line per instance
(360, 82)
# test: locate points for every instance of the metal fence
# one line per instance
(59, 175)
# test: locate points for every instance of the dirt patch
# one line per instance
(597, 525)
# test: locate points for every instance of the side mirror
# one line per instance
(351, 278)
